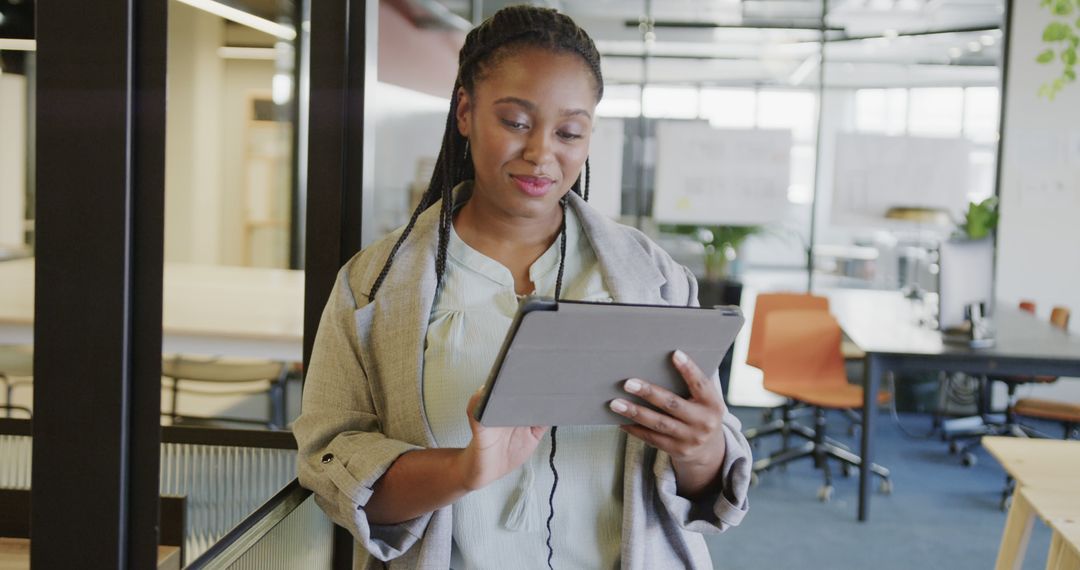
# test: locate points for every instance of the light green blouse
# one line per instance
(503, 525)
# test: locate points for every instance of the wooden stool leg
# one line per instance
(1053, 559)
(1070, 558)
(1014, 540)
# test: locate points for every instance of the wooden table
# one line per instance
(1059, 508)
(15, 555)
(208, 310)
(1047, 475)
(885, 326)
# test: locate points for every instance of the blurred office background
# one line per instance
(769, 145)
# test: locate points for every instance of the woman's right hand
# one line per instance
(495, 451)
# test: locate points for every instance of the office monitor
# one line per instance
(966, 276)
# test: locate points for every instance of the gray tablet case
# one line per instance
(561, 363)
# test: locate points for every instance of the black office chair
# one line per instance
(965, 443)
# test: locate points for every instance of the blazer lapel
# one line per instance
(630, 274)
(398, 327)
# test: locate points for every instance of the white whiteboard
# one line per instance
(876, 172)
(605, 166)
(720, 176)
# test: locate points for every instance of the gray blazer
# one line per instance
(363, 405)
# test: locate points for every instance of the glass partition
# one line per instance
(233, 293)
(17, 81)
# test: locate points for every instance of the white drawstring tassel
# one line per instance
(525, 516)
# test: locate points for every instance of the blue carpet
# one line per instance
(940, 514)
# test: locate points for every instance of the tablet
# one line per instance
(563, 362)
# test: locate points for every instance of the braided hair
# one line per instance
(505, 33)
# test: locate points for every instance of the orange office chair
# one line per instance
(766, 304)
(769, 302)
(802, 360)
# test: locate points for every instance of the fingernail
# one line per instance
(632, 386)
(680, 357)
(617, 406)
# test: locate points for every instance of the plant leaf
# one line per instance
(1046, 56)
(1069, 57)
(1056, 32)
(1070, 74)
(1063, 8)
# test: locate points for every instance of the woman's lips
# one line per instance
(533, 186)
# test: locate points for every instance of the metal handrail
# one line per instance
(248, 532)
(190, 435)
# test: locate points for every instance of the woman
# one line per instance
(415, 322)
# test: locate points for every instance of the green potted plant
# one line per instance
(721, 244)
(980, 220)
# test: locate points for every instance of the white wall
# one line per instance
(12, 160)
(1039, 237)
(242, 79)
(408, 127)
(193, 138)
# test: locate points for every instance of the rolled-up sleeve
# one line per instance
(726, 505)
(342, 452)
(721, 509)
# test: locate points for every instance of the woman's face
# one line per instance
(528, 122)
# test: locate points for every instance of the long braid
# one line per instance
(586, 194)
(509, 29)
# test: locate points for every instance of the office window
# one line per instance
(981, 112)
(620, 101)
(881, 111)
(795, 110)
(671, 102)
(937, 111)
(729, 108)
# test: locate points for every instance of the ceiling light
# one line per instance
(18, 45)
(955, 52)
(234, 52)
(987, 40)
(803, 71)
(243, 18)
(975, 46)
(1, 18)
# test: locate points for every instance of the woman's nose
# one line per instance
(538, 148)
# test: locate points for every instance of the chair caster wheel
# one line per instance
(754, 479)
(969, 459)
(847, 470)
(885, 487)
(954, 447)
(824, 493)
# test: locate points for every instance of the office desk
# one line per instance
(209, 310)
(884, 325)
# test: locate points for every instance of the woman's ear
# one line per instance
(463, 112)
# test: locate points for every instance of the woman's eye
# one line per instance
(569, 136)
(514, 125)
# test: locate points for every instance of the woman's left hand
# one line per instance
(691, 431)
